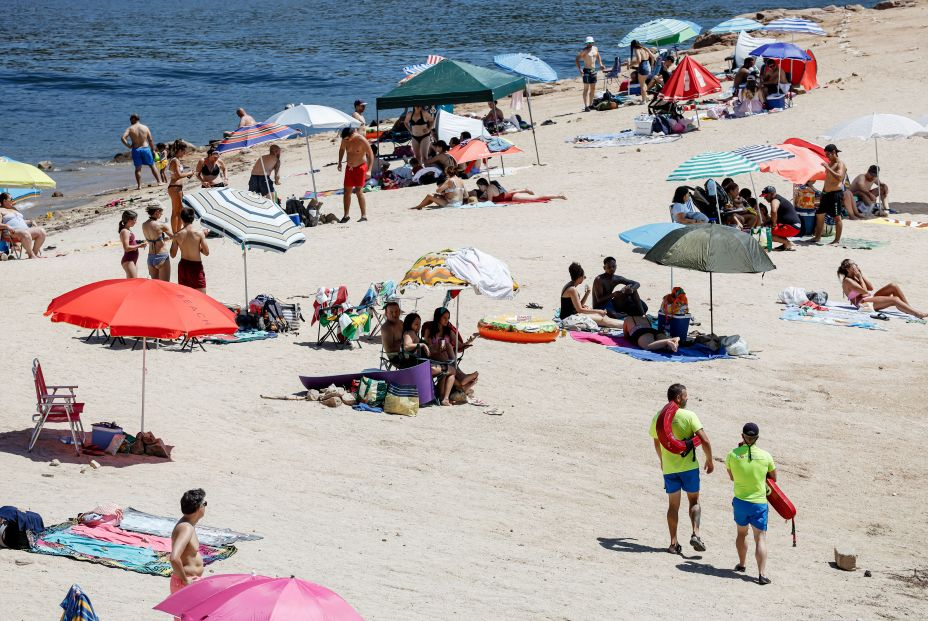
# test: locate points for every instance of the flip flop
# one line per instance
(697, 543)
(344, 220)
(534, 305)
(880, 316)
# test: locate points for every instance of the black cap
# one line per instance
(750, 430)
(832, 148)
(769, 190)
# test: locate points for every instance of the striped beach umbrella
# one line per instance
(712, 164)
(760, 153)
(795, 25)
(662, 32)
(737, 24)
(21, 194)
(433, 59)
(250, 220)
(253, 135)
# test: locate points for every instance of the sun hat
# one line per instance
(590, 40)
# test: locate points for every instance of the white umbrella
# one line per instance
(924, 121)
(310, 117)
(248, 219)
(876, 126)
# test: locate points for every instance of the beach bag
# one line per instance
(276, 314)
(401, 400)
(580, 322)
(735, 345)
(372, 391)
(792, 296)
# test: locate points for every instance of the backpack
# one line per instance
(275, 316)
(661, 124)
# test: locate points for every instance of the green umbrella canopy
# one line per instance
(711, 248)
(452, 82)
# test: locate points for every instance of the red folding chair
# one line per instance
(56, 404)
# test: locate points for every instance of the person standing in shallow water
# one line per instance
(137, 137)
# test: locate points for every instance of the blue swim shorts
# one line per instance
(688, 481)
(753, 513)
(142, 156)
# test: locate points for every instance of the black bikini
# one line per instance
(204, 171)
(421, 121)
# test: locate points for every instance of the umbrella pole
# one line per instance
(245, 262)
(144, 372)
(457, 325)
(879, 189)
(312, 171)
(711, 308)
(531, 119)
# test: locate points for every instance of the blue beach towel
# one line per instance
(695, 353)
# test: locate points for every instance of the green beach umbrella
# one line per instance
(711, 248)
(713, 164)
(662, 32)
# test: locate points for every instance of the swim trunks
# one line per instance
(142, 156)
(753, 513)
(830, 204)
(259, 184)
(191, 274)
(785, 231)
(589, 76)
(356, 177)
(688, 481)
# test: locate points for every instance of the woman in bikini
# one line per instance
(487, 191)
(440, 336)
(211, 171)
(420, 125)
(130, 247)
(178, 173)
(450, 193)
(638, 330)
(641, 62)
(414, 349)
(156, 234)
(860, 291)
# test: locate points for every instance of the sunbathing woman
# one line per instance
(449, 194)
(638, 330)
(156, 234)
(487, 191)
(859, 291)
(414, 349)
(573, 304)
(440, 336)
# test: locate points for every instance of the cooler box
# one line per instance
(634, 89)
(807, 222)
(643, 125)
(776, 102)
(676, 325)
(101, 435)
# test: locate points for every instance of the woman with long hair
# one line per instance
(178, 173)
(130, 247)
(156, 234)
(859, 290)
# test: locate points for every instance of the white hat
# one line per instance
(590, 40)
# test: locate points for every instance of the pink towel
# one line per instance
(113, 534)
(601, 339)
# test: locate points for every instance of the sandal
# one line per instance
(740, 568)
(880, 316)
(675, 549)
(344, 220)
(697, 543)
(763, 580)
(534, 306)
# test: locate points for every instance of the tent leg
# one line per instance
(711, 308)
(531, 119)
(312, 171)
(144, 372)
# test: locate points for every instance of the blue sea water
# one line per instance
(72, 71)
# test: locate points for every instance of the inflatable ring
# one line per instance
(665, 432)
(518, 329)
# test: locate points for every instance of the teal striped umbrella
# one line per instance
(662, 32)
(735, 25)
(713, 164)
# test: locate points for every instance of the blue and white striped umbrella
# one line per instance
(760, 153)
(527, 65)
(713, 164)
(662, 32)
(795, 25)
(737, 24)
(250, 220)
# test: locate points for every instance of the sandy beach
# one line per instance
(554, 510)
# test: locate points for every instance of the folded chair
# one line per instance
(56, 404)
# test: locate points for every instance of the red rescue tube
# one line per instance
(781, 504)
(665, 432)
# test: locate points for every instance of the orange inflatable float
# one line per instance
(518, 329)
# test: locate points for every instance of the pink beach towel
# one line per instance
(601, 339)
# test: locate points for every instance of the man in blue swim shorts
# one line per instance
(137, 137)
(749, 468)
(681, 472)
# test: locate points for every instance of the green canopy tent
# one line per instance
(453, 82)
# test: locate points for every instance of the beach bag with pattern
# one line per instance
(372, 392)
(401, 400)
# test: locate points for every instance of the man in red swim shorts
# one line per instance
(360, 159)
(190, 241)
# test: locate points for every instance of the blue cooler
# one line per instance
(634, 89)
(102, 435)
(677, 325)
(295, 217)
(776, 102)
(807, 222)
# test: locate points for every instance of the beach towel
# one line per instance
(601, 339)
(861, 244)
(310, 194)
(627, 138)
(848, 317)
(914, 224)
(77, 606)
(141, 522)
(693, 353)
(242, 336)
(486, 274)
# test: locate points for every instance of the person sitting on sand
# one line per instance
(683, 211)
(449, 194)
(638, 330)
(494, 119)
(735, 214)
(859, 291)
(414, 349)
(870, 190)
(443, 340)
(487, 191)
(441, 160)
(156, 234)
(573, 304)
(211, 171)
(616, 303)
(245, 119)
(784, 221)
(130, 247)
(391, 332)
(31, 237)
(741, 76)
(186, 562)
(190, 241)
(749, 101)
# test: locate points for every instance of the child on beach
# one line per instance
(161, 160)
(130, 247)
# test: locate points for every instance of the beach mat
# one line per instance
(243, 336)
(852, 243)
(693, 353)
(847, 317)
(419, 376)
(913, 224)
(162, 526)
(627, 138)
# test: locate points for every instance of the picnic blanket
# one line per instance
(846, 316)
(914, 224)
(626, 138)
(161, 526)
(242, 336)
(692, 353)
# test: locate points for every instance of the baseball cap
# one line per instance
(832, 148)
(360, 102)
(750, 429)
(769, 190)
(590, 40)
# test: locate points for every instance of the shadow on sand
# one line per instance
(49, 447)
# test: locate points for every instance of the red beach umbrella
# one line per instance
(477, 149)
(689, 81)
(805, 166)
(144, 308)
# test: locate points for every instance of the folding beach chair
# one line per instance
(341, 322)
(58, 406)
(377, 295)
(10, 246)
(614, 74)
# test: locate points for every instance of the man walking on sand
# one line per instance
(185, 547)
(266, 165)
(832, 194)
(191, 242)
(586, 62)
(682, 471)
(359, 159)
(137, 137)
(749, 468)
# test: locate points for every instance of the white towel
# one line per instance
(517, 99)
(486, 274)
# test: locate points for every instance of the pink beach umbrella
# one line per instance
(246, 597)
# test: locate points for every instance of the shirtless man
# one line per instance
(138, 138)
(869, 189)
(191, 242)
(747, 68)
(358, 115)
(260, 180)
(360, 159)
(245, 119)
(589, 56)
(391, 332)
(832, 195)
(185, 547)
(616, 302)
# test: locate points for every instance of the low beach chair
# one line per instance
(614, 74)
(10, 246)
(56, 404)
(377, 295)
